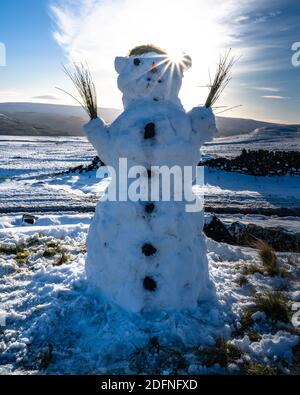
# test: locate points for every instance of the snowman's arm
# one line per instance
(203, 124)
(98, 135)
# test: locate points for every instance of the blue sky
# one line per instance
(41, 35)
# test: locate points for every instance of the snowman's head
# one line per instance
(150, 73)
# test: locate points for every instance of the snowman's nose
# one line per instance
(154, 68)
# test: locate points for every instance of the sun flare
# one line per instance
(194, 27)
(175, 57)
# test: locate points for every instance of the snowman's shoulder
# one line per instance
(201, 114)
(94, 126)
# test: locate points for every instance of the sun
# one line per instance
(176, 57)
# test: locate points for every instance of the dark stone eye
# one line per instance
(136, 62)
(149, 131)
(149, 250)
(159, 81)
(150, 284)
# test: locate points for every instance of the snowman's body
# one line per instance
(148, 255)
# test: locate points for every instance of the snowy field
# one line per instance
(272, 139)
(51, 323)
(27, 183)
(24, 156)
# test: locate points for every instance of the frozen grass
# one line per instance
(22, 256)
(273, 304)
(242, 281)
(20, 253)
(54, 251)
(156, 358)
(222, 353)
(254, 369)
(252, 269)
(268, 265)
(267, 256)
(6, 249)
(64, 258)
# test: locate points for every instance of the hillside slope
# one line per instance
(64, 120)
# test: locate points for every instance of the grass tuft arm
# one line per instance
(81, 77)
(221, 79)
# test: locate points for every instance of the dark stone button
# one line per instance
(149, 250)
(149, 208)
(136, 62)
(150, 284)
(149, 131)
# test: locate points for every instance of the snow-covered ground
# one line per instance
(291, 224)
(277, 138)
(24, 156)
(31, 162)
(52, 323)
(241, 192)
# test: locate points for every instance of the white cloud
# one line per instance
(266, 88)
(241, 19)
(275, 97)
(46, 97)
(95, 31)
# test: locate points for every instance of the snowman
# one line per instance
(148, 255)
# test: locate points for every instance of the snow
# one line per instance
(286, 187)
(270, 347)
(52, 321)
(291, 224)
(242, 191)
(23, 156)
(29, 191)
(270, 138)
(47, 305)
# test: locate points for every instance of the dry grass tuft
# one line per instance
(273, 304)
(143, 49)
(64, 258)
(222, 353)
(222, 78)
(252, 269)
(268, 256)
(22, 256)
(254, 369)
(242, 281)
(82, 79)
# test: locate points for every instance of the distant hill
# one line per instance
(235, 126)
(15, 127)
(39, 119)
(276, 132)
